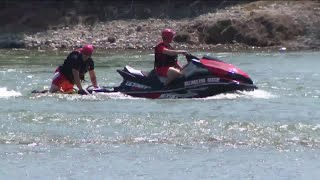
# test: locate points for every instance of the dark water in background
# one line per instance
(271, 133)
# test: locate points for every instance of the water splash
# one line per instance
(256, 94)
(4, 93)
(259, 94)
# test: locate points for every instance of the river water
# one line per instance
(270, 133)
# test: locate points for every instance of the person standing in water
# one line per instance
(73, 70)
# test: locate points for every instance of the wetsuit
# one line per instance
(162, 61)
(63, 77)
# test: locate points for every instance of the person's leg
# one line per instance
(66, 86)
(62, 85)
(172, 74)
(56, 81)
(54, 88)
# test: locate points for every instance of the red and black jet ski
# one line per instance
(202, 77)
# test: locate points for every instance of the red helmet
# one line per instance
(87, 50)
(167, 34)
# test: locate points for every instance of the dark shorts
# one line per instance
(62, 82)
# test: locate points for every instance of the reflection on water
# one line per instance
(60, 129)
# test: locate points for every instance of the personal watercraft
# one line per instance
(201, 77)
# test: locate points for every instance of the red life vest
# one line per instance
(163, 60)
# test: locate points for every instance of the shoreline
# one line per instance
(100, 51)
(261, 25)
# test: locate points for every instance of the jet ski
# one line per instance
(201, 77)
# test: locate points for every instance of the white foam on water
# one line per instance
(4, 93)
(259, 94)
(116, 95)
(11, 70)
(256, 94)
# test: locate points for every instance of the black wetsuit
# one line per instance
(74, 61)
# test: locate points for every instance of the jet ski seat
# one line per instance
(133, 71)
(150, 75)
(153, 74)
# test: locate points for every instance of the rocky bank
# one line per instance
(255, 25)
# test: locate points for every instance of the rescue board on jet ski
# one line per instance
(104, 89)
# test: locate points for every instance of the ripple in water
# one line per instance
(60, 129)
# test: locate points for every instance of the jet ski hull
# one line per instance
(201, 78)
(190, 92)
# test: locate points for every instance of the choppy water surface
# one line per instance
(271, 133)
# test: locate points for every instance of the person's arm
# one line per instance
(178, 66)
(76, 78)
(174, 53)
(171, 52)
(93, 78)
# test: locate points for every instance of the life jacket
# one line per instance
(75, 59)
(163, 60)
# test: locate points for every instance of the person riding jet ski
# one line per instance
(166, 62)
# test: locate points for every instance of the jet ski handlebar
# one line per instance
(189, 57)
